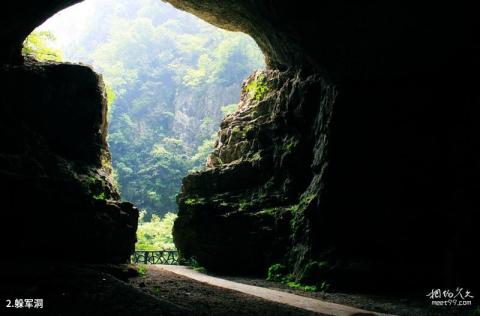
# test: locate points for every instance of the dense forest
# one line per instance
(171, 77)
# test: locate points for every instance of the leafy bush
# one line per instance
(229, 109)
(38, 45)
(277, 272)
(168, 75)
(155, 234)
(314, 272)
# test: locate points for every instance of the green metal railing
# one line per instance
(155, 257)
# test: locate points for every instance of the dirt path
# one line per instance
(201, 299)
(301, 302)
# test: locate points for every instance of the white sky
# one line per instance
(67, 24)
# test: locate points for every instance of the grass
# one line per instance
(303, 287)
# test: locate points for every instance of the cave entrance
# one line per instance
(170, 78)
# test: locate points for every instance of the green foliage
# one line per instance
(111, 96)
(193, 263)
(100, 196)
(276, 272)
(141, 270)
(203, 151)
(289, 144)
(167, 75)
(279, 273)
(193, 201)
(303, 287)
(476, 312)
(189, 201)
(155, 234)
(229, 109)
(314, 271)
(258, 88)
(244, 204)
(38, 45)
(200, 269)
(256, 156)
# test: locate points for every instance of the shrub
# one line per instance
(310, 281)
(314, 272)
(277, 272)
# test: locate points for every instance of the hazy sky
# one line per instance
(69, 23)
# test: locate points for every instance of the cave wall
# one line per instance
(58, 200)
(362, 153)
(19, 19)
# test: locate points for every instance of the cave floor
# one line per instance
(81, 289)
(210, 293)
(201, 298)
(227, 295)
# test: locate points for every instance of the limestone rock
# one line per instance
(59, 198)
(236, 216)
(363, 153)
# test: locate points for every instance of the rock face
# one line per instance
(357, 166)
(57, 191)
(191, 107)
(237, 216)
(354, 160)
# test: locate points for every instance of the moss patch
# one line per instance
(258, 88)
(193, 201)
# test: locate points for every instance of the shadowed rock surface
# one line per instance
(55, 167)
(358, 165)
(359, 148)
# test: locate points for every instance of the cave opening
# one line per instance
(170, 78)
(358, 148)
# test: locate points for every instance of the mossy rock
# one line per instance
(315, 272)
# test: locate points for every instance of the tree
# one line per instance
(37, 45)
(168, 74)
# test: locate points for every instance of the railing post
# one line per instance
(156, 257)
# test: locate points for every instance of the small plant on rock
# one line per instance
(141, 270)
(276, 272)
(258, 88)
